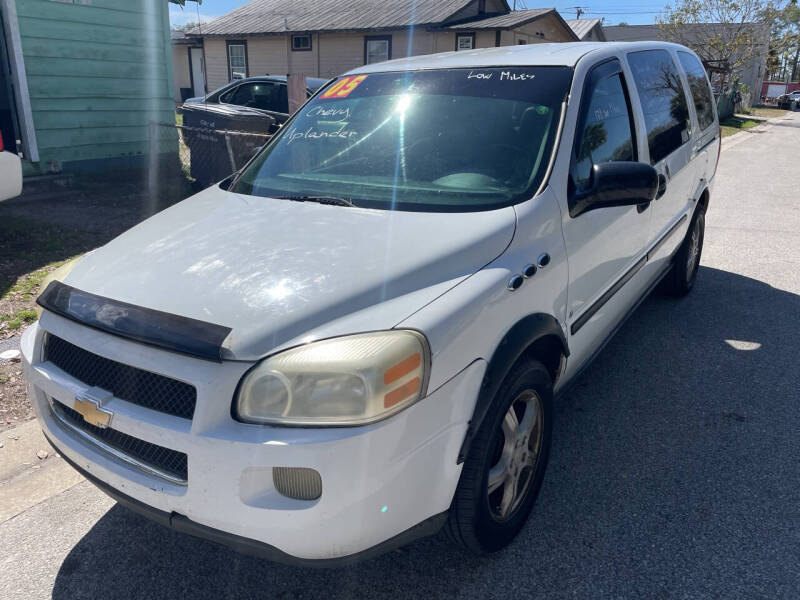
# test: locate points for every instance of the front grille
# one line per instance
(127, 383)
(170, 462)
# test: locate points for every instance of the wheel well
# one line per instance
(702, 202)
(548, 351)
(538, 336)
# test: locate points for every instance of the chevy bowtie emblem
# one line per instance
(89, 405)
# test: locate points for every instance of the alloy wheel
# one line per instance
(516, 455)
(694, 251)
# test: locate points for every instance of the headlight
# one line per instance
(350, 380)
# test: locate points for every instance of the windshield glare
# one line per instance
(456, 139)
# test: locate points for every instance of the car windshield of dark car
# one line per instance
(455, 139)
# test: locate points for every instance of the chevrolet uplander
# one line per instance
(356, 339)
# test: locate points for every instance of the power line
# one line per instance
(623, 12)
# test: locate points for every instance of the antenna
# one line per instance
(579, 10)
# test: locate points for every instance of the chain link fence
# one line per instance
(206, 156)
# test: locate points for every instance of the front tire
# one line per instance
(680, 280)
(505, 467)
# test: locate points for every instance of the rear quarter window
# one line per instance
(700, 88)
(663, 99)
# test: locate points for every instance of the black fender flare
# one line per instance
(514, 343)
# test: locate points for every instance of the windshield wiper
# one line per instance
(334, 200)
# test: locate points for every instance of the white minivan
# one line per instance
(358, 339)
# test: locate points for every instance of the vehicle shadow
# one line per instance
(40, 228)
(674, 464)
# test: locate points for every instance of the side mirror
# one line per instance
(619, 183)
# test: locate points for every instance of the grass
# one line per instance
(29, 283)
(765, 112)
(38, 239)
(15, 320)
(733, 125)
(29, 253)
(23, 292)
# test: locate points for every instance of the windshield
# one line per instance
(456, 139)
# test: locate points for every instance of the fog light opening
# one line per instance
(298, 483)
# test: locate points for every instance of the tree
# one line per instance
(784, 42)
(185, 27)
(725, 34)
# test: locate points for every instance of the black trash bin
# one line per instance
(212, 156)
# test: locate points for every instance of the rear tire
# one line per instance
(680, 280)
(506, 463)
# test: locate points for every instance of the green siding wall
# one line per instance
(98, 71)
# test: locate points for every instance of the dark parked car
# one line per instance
(790, 101)
(266, 93)
(215, 154)
(255, 105)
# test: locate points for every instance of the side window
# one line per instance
(264, 95)
(241, 95)
(700, 88)
(227, 97)
(666, 115)
(605, 129)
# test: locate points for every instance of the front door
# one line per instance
(606, 246)
(198, 72)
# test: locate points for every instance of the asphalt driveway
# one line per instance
(674, 473)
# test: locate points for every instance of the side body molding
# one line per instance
(518, 339)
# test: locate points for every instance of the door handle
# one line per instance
(662, 185)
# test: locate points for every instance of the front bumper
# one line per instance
(245, 545)
(378, 482)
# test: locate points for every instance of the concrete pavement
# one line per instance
(674, 472)
(30, 471)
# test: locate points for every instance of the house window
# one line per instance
(377, 48)
(237, 59)
(301, 43)
(465, 41)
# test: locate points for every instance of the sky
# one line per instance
(614, 11)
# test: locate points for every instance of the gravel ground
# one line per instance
(11, 343)
(674, 470)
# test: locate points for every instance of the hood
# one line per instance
(278, 272)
